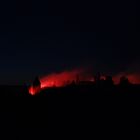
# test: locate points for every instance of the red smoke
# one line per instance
(64, 78)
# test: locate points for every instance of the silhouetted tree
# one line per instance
(77, 79)
(97, 78)
(124, 81)
(36, 82)
(109, 81)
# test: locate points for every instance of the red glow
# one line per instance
(67, 77)
(64, 78)
(34, 90)
(61, 79)
(134, 78)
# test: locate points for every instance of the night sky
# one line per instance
(38, 38)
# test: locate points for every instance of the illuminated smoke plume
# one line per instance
(62, 79)
(67, 77)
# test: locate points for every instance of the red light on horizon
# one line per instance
(61, 79)
(134, 78)
(67, 77)
(34, 90)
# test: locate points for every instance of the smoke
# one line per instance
(64, 78)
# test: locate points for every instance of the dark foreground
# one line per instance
(84, 111)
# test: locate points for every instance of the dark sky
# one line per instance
(42, 37)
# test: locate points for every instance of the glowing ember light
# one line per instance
(36, 87)
(31, 90)
(34, 90)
